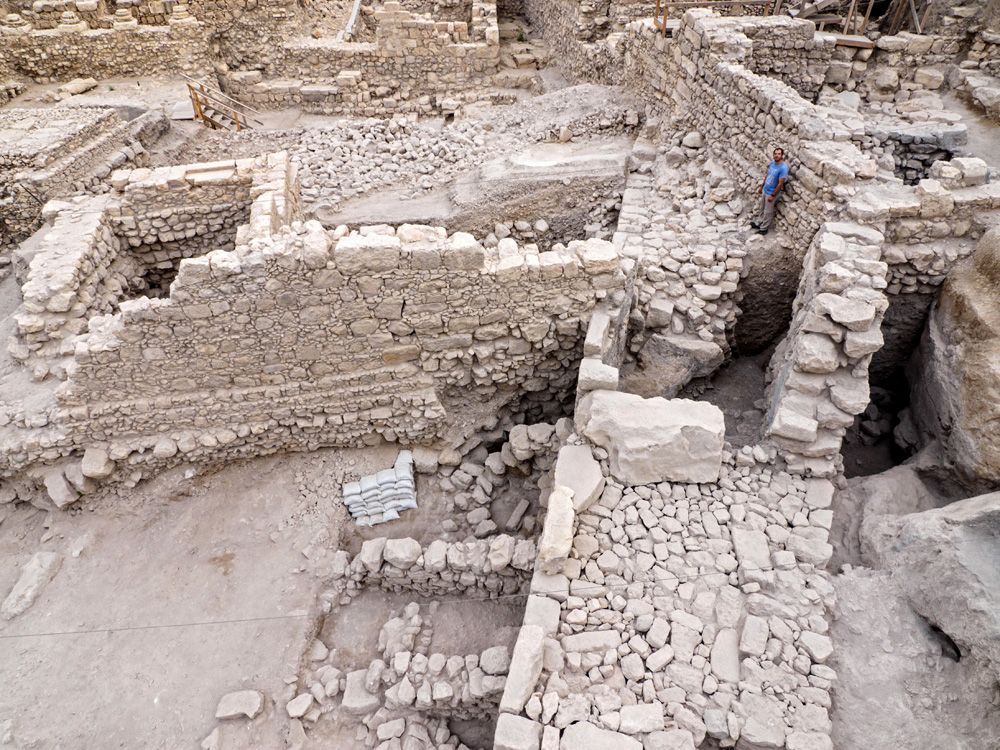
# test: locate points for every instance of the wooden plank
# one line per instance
(850, 16)
(868, 15)
(916, 21)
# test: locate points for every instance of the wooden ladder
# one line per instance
(220, 111)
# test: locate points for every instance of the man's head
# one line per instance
(778, 155)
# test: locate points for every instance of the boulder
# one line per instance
(655, 439)
(402, 553)
(668, 362)
(97, 464)
(765, 723)
(674, 739)
(585, 736)
(641, 718)
(357, 699)
(517, 733)
(58, 488)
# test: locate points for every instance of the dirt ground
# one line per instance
(169, 596)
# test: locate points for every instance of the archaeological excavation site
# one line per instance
(500, 374)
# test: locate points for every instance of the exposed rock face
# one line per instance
(956, 392)
(922, 630)
(654, 440)
(955, 549)
(895, 687)
(867, 500)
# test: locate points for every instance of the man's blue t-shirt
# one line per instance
(775, 172)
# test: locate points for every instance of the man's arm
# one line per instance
(781, 184)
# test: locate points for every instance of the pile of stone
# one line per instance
(340, 162)
(380, 497)
(518, 472)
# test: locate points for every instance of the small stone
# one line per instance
(299, 705)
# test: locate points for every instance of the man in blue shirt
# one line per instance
(774, 182)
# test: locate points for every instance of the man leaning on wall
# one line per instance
(770, 190)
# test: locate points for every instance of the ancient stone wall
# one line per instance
(329, 338)
(927, 229)
(499, 565)
(63, 54)
(742, 114)
(105, 248)
(819, 372)
(35, 166)
(578, 36)
(415, 64)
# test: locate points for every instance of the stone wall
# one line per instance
(581, 38)
(928, 229)
(35, 167)
(62, 54)
(330, 338)
(102, 249)
(497, 566)
(708, 81)
(415, 64)
(334, 344)
(819, 372)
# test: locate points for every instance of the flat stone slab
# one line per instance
(577, 469)
(242, 703)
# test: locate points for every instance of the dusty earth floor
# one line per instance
(169, 596)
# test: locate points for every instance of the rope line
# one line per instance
(590, 586)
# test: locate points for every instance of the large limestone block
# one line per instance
(668, 362)
(557, 532)
(585, 736)
(653, 439)
(525, 669)
(357, 699)
(577, 469)
(242, 703)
